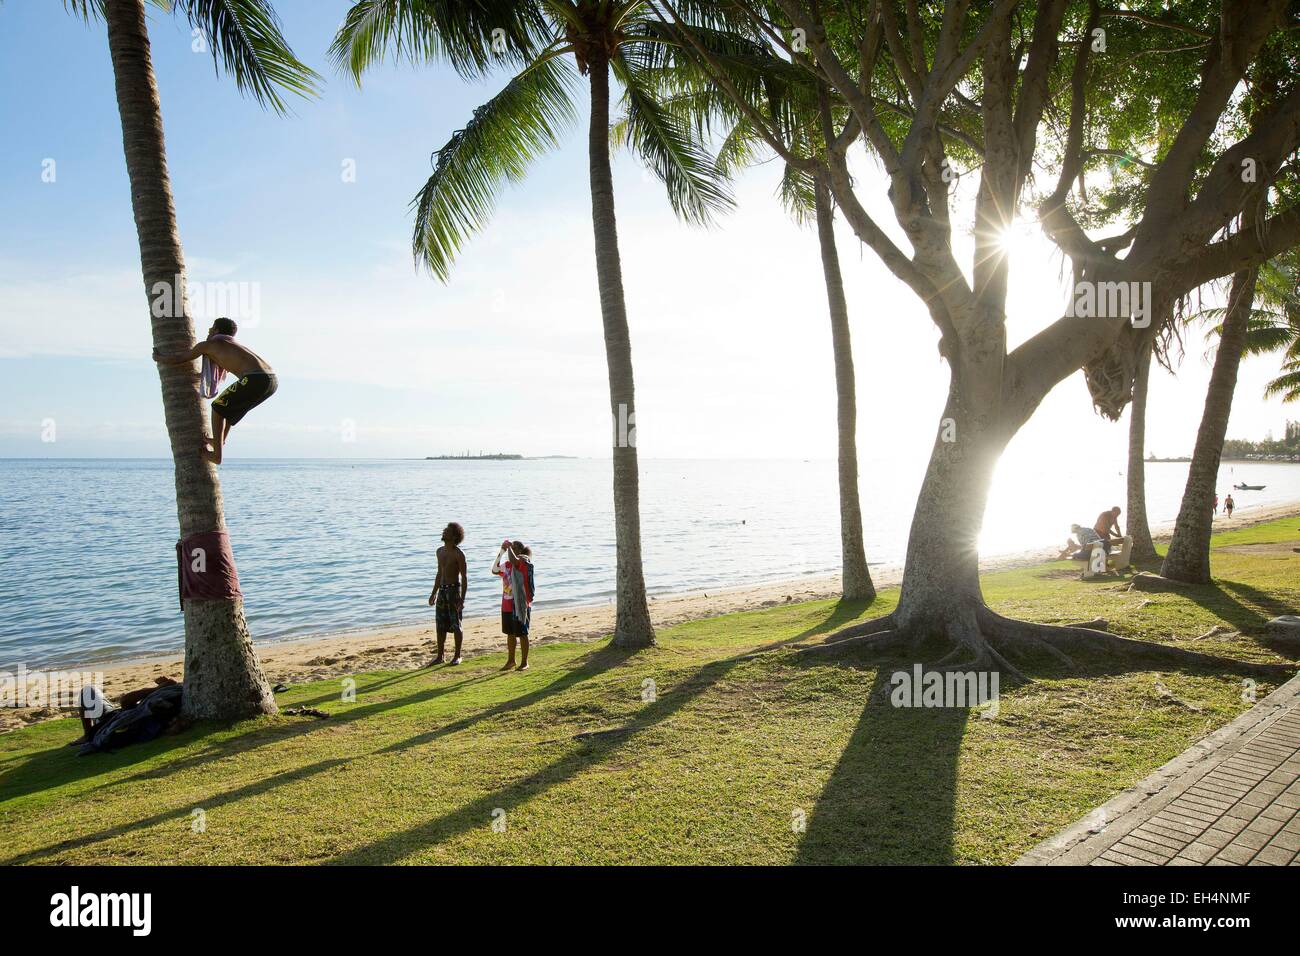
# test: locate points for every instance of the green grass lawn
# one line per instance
(719, 766)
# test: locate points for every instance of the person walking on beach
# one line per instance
(1216, 502)
(254, 383)
(449, 590)
(1228, 505)
(516, 598)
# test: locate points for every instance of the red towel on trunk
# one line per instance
(205, 568)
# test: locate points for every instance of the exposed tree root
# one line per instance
(879, 640)
(1096, 624)
(1156, 584)
(986, 639)
(865, 629)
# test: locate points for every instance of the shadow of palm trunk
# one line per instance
(892, 795)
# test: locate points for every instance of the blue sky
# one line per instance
(730, 336)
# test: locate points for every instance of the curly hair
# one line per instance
(453, 533)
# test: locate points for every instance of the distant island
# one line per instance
(498, 456)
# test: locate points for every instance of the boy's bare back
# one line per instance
(233, 357)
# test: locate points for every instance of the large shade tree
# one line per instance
(541, 42)
(990, 79)
(223, 678)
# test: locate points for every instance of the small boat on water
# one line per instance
(1246, 487)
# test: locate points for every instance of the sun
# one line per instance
(1017, 239)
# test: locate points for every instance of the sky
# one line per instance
(730, 334)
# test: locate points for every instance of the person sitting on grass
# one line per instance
(516, 598)
(254, 383)
(449, 589)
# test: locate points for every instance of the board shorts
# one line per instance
(512, 626)
(447, 608)
(243, 395)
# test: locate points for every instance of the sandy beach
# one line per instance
(412, 646)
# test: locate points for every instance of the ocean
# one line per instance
(87, 562)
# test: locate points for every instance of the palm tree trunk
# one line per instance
(632, 626)
(1188, 558)
(1139, 530)
(222, 676)
(855, 581)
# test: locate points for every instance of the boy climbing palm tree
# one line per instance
(254, 383)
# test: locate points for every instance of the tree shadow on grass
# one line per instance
(594, 749)
(842, 614)
(60, 765)
(596, 662)
(1253, 621)
(1226, 601)
(891, 798)
(396, 846)
(383, 683)
(209, 803)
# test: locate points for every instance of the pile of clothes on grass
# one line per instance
(141, 716)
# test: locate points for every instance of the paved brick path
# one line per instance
(1233, 799)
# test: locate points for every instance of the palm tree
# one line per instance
(1188, 557)
(535, 40)
(855, 577)
(1139, 529)
(1241, 330)
(796, 105)
(222, 676)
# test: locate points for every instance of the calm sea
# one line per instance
(87, 567)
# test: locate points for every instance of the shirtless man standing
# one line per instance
(449, 589)
(254, 380)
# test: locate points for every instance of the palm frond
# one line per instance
(86, 9)
(696, 188)
(505, 135)
(247, 43)
(1266, 331)
(473, 36)
(740, 148)
(797, 191)
(1286, 385)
